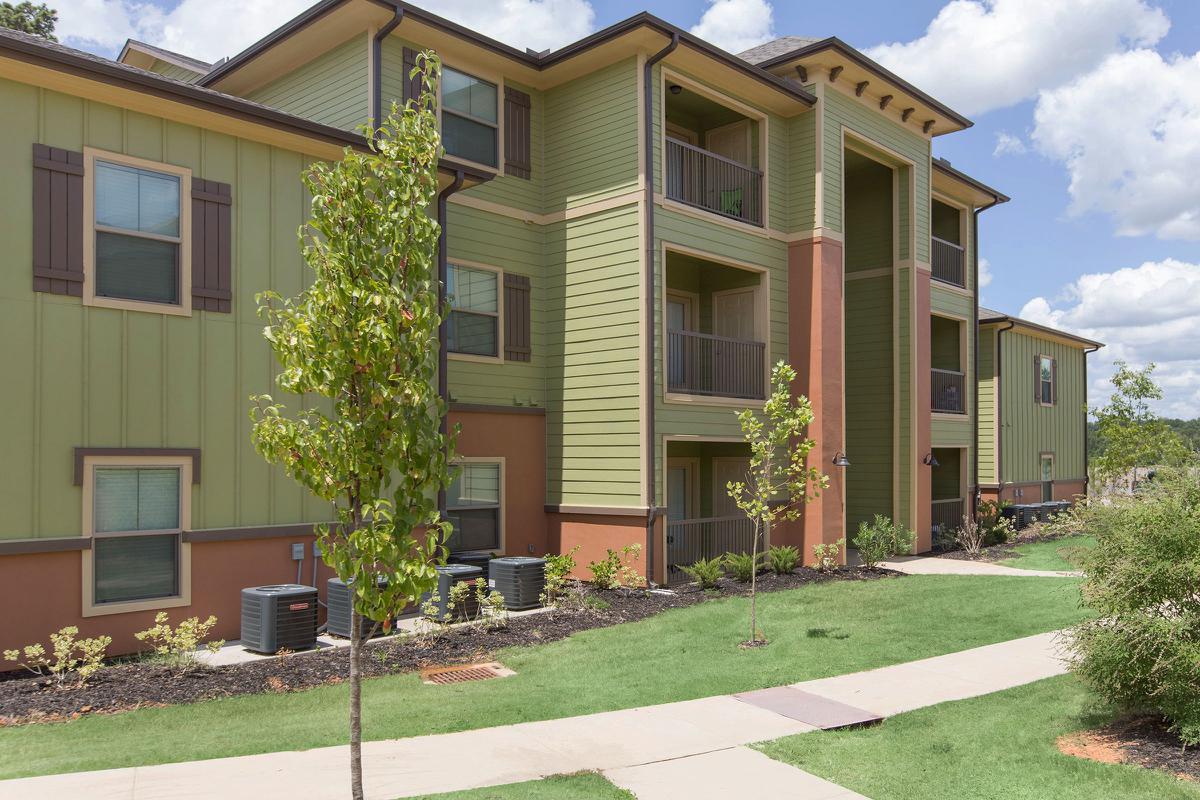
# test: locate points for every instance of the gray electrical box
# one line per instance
(298, 551)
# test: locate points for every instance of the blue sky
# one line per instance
(1102, 94)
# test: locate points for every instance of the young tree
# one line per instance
(36, 20)
(364, 335)
(777, 482)
(1132, 435)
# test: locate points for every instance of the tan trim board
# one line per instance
(82, 453)
(607, 511)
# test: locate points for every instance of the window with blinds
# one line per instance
(474, 324)
(136, 533)
(473, 507)
(138, 236)
(470, 117)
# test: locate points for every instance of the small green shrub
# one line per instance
(176, 647)
(828, 556)
(706, 572)
(783, 560)
(880, 539)
(616, 570)
(742, 566)
(558, 572)
(997, 528)
(83, 657)
(1141, 650)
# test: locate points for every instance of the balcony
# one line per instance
(715, 366)
(948, 262)
(706, 180)
(948, 394)
(690, 540)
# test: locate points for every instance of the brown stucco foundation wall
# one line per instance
(520, 438)
(815, 349)
(1070, 490)
(1032, 492)
(594, 534)
(46, 589)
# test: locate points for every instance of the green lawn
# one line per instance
(1057, 554)
(581, 786)
(995, 747)
(816, 631)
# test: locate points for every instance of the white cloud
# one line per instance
(1007, 144)
(985, 272)
(1143, 314)
(204, 29)
(1129, 135)
(979, 55)
(736, 25)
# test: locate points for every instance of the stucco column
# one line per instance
(815, 349)
(922, 407)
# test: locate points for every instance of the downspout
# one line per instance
(377, 66)
(999, 409)
(651, 450)
(1087, 473)
(443, 275)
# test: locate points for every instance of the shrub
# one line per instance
(997, 528)
(1142, 649)
(742, 566)
(558, 570)
(969, 536)
(84, 657)
(617, 570)
(828, 556)
(783, 560)
(880, 539)
(176, 647)
(705, 571)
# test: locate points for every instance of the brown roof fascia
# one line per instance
(1023, 323)
(834, 43)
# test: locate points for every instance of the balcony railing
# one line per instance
(712, 182)
(949, 262)
(690, 540)
(714, 366)
(947, 517)
(949, 393)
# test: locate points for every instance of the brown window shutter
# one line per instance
(212, 246)
(1037, 379)
(412, 84)
(1054, 381)
(57, 221)
(517, 160)
(518, 340)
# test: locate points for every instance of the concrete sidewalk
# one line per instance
(931, 565)
(657, 751)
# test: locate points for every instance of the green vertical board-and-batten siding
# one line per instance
(99, 377)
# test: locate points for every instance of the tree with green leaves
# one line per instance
(364, 335)
(36, 20)
(779, 478)
(1131, 434)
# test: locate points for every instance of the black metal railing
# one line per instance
(948, 262)
(949, 391)
(947, 517)
(712, 182)
(715, 366)
(690, 540)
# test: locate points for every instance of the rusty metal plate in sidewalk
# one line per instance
(811, 709)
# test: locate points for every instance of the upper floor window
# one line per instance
(138, 233)
(1046, 377)
(474, 324)
(470, 117)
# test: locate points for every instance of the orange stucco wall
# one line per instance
(594, 534)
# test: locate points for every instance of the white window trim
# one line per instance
(498, 168)
(184, 307)
(501, 542)
(499, 357)
(184, 598)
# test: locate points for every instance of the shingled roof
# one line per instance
(776, 47)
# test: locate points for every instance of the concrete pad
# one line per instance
(820, 712)
(723, 774)
(930, 565)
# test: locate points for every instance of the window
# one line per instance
(1046, 472)
(473, 506)
(474, 324)
(137, 234)
(1046, 377)
(470, 117)
(136, 533)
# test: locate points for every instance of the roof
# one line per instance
(162, 54)
(989, 316)
(534, 60)
(774, 48)
(942, 165)
(42, 52)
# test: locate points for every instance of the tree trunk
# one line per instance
(356, 778)
(754, 585)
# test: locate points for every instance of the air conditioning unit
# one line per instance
(520, 579)
(449, 575)
(471, 560)
(337, 610)
(278, 617)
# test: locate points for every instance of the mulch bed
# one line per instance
(999, 552)
(1143, 741)
(127, 685)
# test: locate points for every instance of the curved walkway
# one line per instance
(932, 565)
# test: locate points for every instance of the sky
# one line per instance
(1087, 114)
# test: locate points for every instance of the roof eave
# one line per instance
(1024, 323)
(943, 166)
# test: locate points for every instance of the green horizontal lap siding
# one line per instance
(591, 332)
(174, 71)
(842, 111)
(802, 170)
(870, 387)
(513, 246)
(95, 377)
(1029, 429)
(950, 432)
(905, 460)
(987, 404)
(331, 89)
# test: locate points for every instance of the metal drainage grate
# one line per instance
(443, 676)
